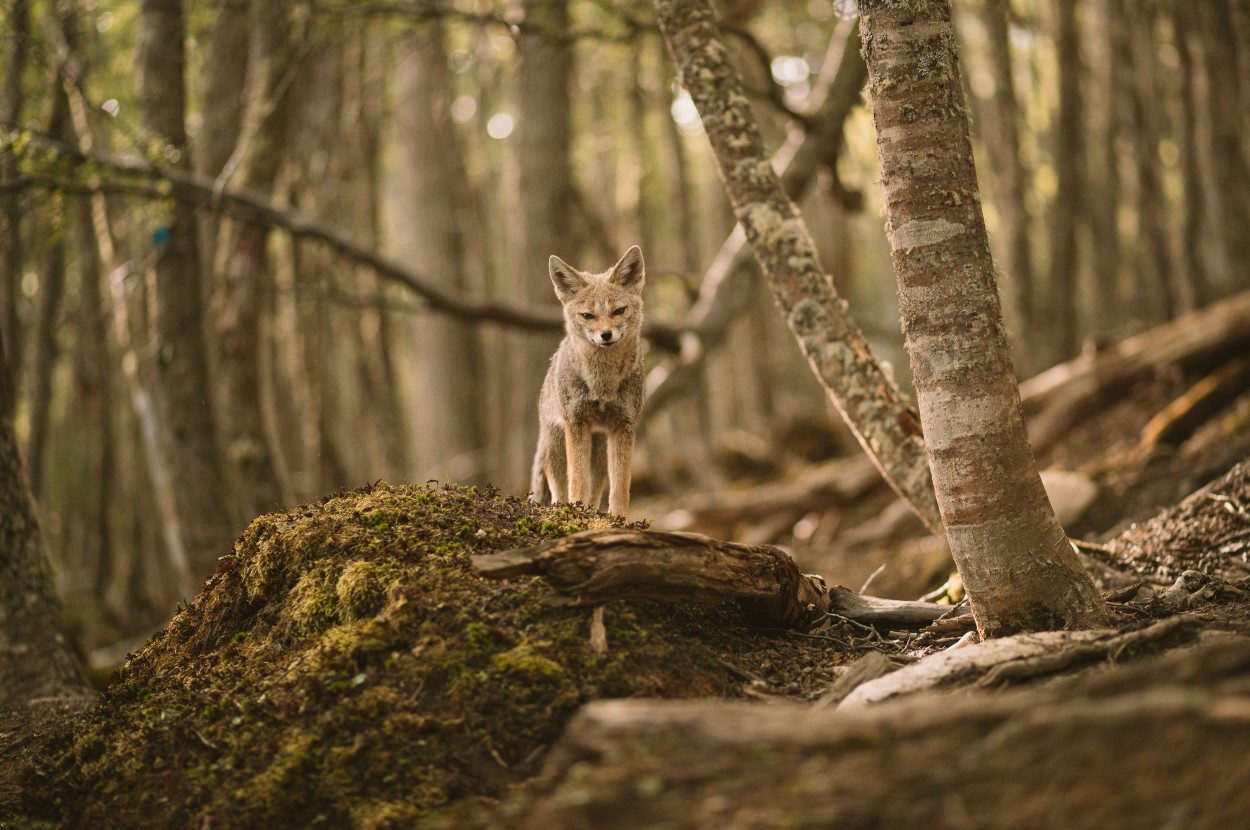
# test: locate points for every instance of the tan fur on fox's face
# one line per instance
(593, 393)
(603, 309)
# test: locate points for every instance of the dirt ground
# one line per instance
(345, 668)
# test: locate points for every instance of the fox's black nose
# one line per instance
(605, 336)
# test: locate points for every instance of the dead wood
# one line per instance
(872, 665)
(1022, 656)
(1057, 399)
(841, 481)
(670, 566)
(884, 613)
(667, 566)
(1182, 417)
(1152, 745)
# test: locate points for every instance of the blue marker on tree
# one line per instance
(161, 236)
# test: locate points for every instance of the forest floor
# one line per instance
(345, 667)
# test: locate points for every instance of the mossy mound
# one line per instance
(345, 668)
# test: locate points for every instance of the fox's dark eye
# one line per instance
(586, 315)
(618, 312)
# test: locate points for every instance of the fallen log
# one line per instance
(669, 566)
(840, 481)
(1182, 417)
(1156, 744)
(1059, 398)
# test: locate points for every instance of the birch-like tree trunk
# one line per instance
(188, 420)
(834, 346)
(1017, 565)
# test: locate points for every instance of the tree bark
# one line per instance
(545, 194)
(726, 288)
(10, 213)
(1067, 211)
(1017, 566)
(1009, 167)
(435, 212)
(188, 419)
(245, 267)
(667, 566)
(1226, 151)
(1130, 749)
(36, 660)
(835, 348)
(1158, 297)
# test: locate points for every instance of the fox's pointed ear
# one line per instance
(565, 278)
(630, 272)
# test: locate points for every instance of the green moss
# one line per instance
(346, 668)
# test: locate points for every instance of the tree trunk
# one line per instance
(1158, 296)
(546, 192)
(1110, 113)
(36, 660)
(1194, 259)
(1229, 165)
(246, 270)
(1017, 565)
(51, 291)
(10, 212)
(188, 420)
(835, 348)
(435, 213)
(1066, 212)
(222, 95)
(1009, 167)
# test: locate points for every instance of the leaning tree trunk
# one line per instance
(1017, 565)
(835, 348)
(35, 658)
(189, 427)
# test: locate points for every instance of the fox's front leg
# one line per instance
(620, 463)
(577, 449)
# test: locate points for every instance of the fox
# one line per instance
(593, 393)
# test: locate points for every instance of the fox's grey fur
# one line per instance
(593, 392)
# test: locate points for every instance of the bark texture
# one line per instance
(188, 421)
(835, 348)
(1067, 212)
(1017, 566)
(1008, 165)
(546, 195)
(1158, 745)
(437, 207)
(35, 657)
(596, 566)
(244, 264)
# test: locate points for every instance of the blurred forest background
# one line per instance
(255, 251)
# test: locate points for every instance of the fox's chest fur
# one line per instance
(603, 386)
